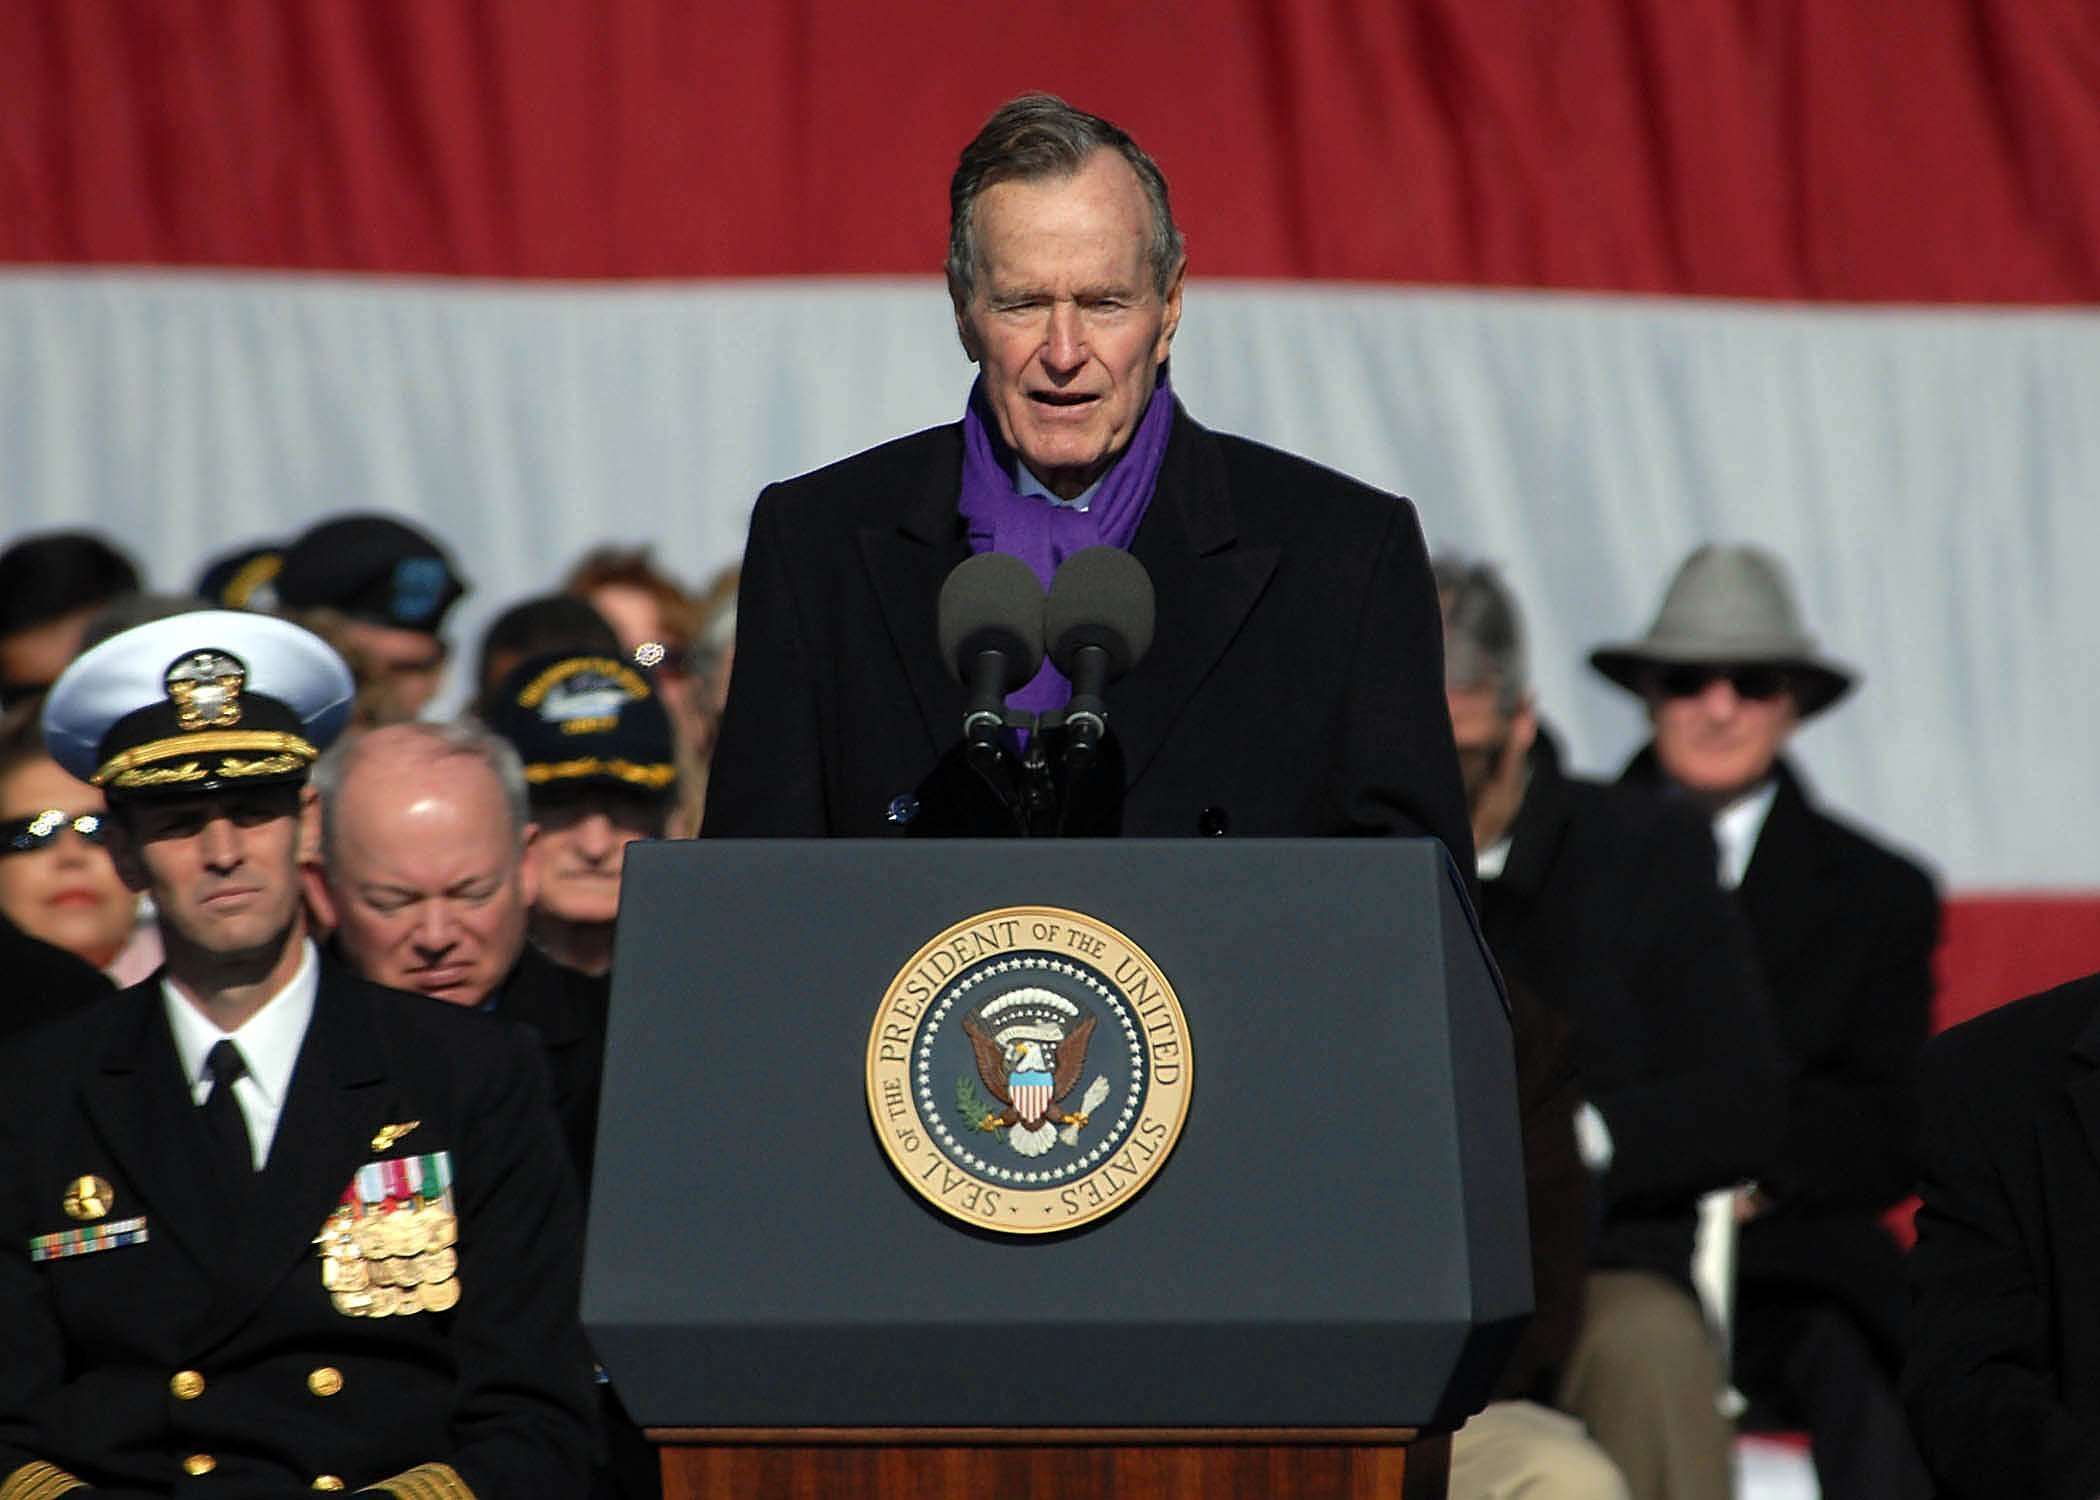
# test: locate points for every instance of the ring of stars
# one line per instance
(1085, 1161)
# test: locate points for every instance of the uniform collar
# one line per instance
(269, 1040)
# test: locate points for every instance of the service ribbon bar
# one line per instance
(69, 1242)
(432, 1175)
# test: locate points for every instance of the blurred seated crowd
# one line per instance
(1721, 989)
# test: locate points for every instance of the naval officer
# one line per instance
(265, 1227)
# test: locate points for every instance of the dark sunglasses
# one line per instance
(1753, 682)
(41, 830)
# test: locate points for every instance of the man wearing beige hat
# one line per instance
(1844, 929)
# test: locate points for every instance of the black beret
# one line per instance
(371, 568)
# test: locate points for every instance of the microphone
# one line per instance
(1098, 625)
(991, 629)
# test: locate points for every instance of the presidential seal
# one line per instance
(1028, 1070)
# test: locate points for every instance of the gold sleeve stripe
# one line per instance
(423, 1482)
(38, 1481)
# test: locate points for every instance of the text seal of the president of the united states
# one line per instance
(1029, 1070)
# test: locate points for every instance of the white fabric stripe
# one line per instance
(1929, 473)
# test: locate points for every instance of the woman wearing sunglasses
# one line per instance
(56, 882)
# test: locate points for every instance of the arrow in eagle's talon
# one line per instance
(1077, 1122)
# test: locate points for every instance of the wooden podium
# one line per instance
(1015, 1464)
(1325, 1274)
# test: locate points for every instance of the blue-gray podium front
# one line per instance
(1337, 1242)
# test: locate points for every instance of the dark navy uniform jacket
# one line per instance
(212, 1345)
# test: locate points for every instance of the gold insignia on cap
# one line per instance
(654, 777)
(255, 573)
(388, 1134)
(137, 766)
(138, 776)
(268, 765)
(205, 687)
(89, 1198)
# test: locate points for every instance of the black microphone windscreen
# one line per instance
(992, 602)
(1101, 596)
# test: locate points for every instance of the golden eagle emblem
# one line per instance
(1030, 1047)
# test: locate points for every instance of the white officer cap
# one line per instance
(198, 702)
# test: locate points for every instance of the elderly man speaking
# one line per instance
(1295, 681)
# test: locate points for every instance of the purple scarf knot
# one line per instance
(1002, 519)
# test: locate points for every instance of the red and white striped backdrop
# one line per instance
(1592, 282)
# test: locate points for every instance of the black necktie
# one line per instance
(224, 1124)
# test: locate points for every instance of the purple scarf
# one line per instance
(1002, 519)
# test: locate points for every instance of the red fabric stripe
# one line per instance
(1916, 150)
(1995, 948)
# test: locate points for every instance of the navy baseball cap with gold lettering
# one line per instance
(199, 702)
(246, 579)
(580, 719)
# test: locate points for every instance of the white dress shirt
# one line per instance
(269, 1043)
(1736, 828)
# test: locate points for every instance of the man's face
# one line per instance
(1065, 320)
(582, 843)
(1719, 729)
(410, 664)
(1492, 751)
(223, 867)
(1481, 732)
(424, 875)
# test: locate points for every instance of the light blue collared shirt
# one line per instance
(1028, 484)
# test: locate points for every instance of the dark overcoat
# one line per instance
(40, 982)
(566, 1010)
(280, 1390)
(1607, 906)
(2003, 1375)
(1294, 685)
(1844, 931)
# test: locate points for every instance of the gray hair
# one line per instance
(1483, 632)
(1038, 136)
(439, 742)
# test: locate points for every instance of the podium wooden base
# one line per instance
(1043, 1464)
